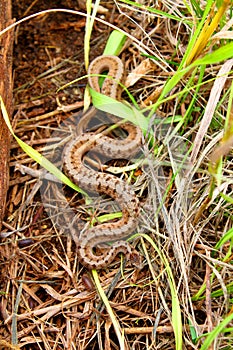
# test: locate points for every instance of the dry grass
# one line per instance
(48, 300)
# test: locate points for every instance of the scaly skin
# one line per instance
(100, 182)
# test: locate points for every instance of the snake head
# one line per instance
(136, 259)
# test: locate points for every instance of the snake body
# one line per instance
(100, 182)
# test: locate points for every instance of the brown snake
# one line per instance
(100, 182)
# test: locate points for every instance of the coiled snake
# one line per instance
(101, 182)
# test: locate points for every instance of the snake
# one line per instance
(102, 182)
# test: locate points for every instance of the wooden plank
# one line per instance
(6, 85)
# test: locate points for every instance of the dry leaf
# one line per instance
(141, 70)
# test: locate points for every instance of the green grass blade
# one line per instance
(227, 198)
(223, 53)
(214, 334)
(88, 28)
(119, 109)
(227, 237)
(112, 316)
(115, 43)
(195, 35)
(157, 12)
(32, 153)
(176, 311)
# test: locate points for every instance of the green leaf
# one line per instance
(223, 53)
(228, 236)
(227, 198)
(115, 43)
(119, 109)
